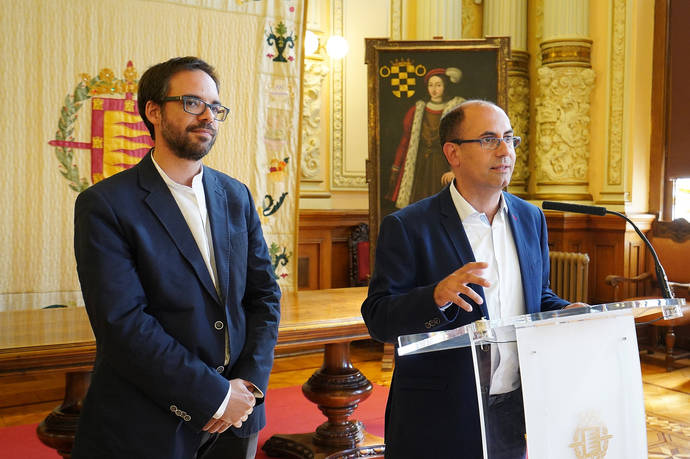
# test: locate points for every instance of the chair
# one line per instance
(358, 248)
(671, 240)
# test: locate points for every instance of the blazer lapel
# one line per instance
(217, 207)
(163, 205)
(524, 257)
(455, 231)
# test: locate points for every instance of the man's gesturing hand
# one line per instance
(450, 288)
(240, 406)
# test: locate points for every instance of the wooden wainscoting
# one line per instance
(322, 255)
(612, 245)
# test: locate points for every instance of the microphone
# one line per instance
(661, 278)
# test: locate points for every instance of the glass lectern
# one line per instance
(579, 376)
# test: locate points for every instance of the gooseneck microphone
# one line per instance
(661, 278)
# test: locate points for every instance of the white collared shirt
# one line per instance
(493, 243)
(192, 204)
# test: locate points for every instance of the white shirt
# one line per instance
(494, 244)
(192, 204)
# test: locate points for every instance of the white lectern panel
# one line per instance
(582, 389)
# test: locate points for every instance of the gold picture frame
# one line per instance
(405, 106)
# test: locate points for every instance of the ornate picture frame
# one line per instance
(411, 84)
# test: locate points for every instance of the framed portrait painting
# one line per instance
(411, 85)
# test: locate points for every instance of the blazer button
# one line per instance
(187, 417)
(178, 412)
(220, 369)
(218, 325)
(173, 408)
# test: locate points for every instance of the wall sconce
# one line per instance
(337, 47)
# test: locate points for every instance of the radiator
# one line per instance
(569, 275)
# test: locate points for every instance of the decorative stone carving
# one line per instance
(518, 112)
(562, 117)
(314, 73)
(617, 66)
(472, 19)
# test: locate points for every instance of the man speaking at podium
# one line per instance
(468, 252)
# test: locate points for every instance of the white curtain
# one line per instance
(54, 50)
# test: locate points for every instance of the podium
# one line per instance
(580, 386)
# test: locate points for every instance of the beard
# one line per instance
(182, 143)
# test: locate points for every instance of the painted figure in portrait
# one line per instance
(413, 84)
(419, 168)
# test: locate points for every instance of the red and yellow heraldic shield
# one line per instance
(119, 137)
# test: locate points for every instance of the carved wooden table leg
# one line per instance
(58, 429)
(337, 388)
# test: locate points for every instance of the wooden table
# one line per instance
(50, 339)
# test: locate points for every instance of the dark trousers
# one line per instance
(506, 426)
(227, 446)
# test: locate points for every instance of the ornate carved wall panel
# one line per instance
(518, 112)
(312, 153)
(613, 190)
(564, 86)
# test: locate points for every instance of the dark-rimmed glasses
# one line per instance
(195, 106)
(491, 143)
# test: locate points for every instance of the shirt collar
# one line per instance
(196, 180)
(465, 209)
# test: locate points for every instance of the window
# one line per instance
(681, 198)
(669, 177)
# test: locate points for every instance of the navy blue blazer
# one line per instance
(160, 324)
(432, 407)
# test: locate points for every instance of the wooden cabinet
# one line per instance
(612, 245)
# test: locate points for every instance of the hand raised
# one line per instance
(450, 288)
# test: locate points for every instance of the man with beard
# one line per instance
(179, 289)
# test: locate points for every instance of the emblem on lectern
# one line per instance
(591, 440)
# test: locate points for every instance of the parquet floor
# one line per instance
(667, 395)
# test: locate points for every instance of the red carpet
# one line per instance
(287, 411)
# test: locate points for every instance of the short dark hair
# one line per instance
(452, 121)
(155, 81)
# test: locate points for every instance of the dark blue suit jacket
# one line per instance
(159, 322)
(432, 408)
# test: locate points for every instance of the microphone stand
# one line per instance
(661, 278)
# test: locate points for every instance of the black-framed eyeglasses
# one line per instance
(491, 143)
(195, 106)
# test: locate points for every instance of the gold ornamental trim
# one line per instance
(573, 53)
(562, 197)
(518, 65)
(563, 182)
